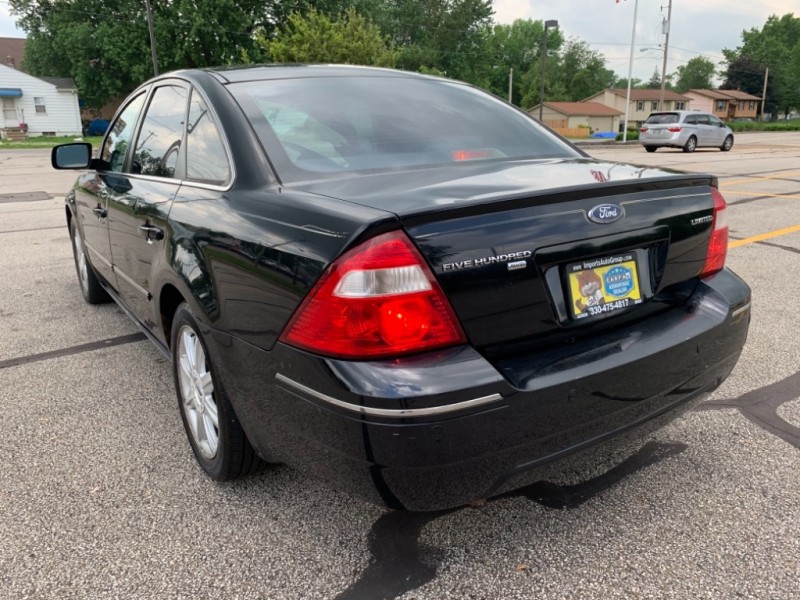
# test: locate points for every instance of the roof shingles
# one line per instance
(590, 109)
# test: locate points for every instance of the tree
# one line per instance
(104, 45)
(635, 83)
(446, 35)
(777, 46)
(744, 73)
(573, 73)
(698, 73)
(314, 37)
(654, 83)
(516, 46)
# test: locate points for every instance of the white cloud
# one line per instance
(698, 27)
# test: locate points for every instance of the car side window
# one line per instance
(120, 134)
(161, 135)
(206, 160)
(714, 121)
(703, 119)
(691, 120)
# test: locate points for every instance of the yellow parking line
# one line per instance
(764, 236)
(751, 179)
(754, 193)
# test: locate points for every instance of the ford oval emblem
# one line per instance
(605, 213)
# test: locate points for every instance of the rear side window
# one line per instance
(327, 126)
(206, 160)
(691, 120)
(159, 144)
(662, 118)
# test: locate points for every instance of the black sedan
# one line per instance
(398, 282)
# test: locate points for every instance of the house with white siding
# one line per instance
(40, 105)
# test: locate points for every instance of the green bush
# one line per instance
(633, 134)
(765, 125)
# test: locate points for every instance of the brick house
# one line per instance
(725, 104)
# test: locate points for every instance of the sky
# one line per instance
(699, 27)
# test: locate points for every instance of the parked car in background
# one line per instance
(95, 127)
(687, 130)
(397, 282)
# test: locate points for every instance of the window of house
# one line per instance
(680, 105)
(640, 105)
(741, 104)
(41, 109)
(654, 105)
(720, 105)
(752, 104)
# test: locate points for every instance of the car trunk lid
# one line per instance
(512, 243)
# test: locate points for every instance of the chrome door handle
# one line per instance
(100, 212)
(151, 232)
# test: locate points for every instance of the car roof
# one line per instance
(298, 71)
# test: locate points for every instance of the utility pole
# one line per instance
(667, 27)
(152, 36)
(764, 93)
(510, 82)
(630, 74)
(547, 25)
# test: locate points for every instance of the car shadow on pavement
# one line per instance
(400, 563)
(761, 407)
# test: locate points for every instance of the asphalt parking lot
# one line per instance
(101, 497)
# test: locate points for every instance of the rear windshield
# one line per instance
(327, 126)
(663, 118)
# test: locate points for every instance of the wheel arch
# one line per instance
(169, 299)
(186, 278)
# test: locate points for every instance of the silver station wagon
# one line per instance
(685, 129)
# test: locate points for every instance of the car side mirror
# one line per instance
(71, 156)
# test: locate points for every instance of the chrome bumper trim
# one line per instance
(389, 412)
(740, 310)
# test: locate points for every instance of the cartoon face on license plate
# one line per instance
(601, 286)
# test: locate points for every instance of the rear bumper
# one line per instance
(438, 430)
(676, 140)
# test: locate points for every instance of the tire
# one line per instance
(91, 289)
(651, 148)
(727, 144)
(215, 435)
(690, 145)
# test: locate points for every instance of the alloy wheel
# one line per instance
(196, 388)
(80, 259)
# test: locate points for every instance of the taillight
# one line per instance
(718, 244)
(378, 300)
(673, 129)
(642, 129)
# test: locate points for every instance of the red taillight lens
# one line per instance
(718, 244)
(642, 129)
(673, 129)
(377, 300)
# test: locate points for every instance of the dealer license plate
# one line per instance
(600, 286)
